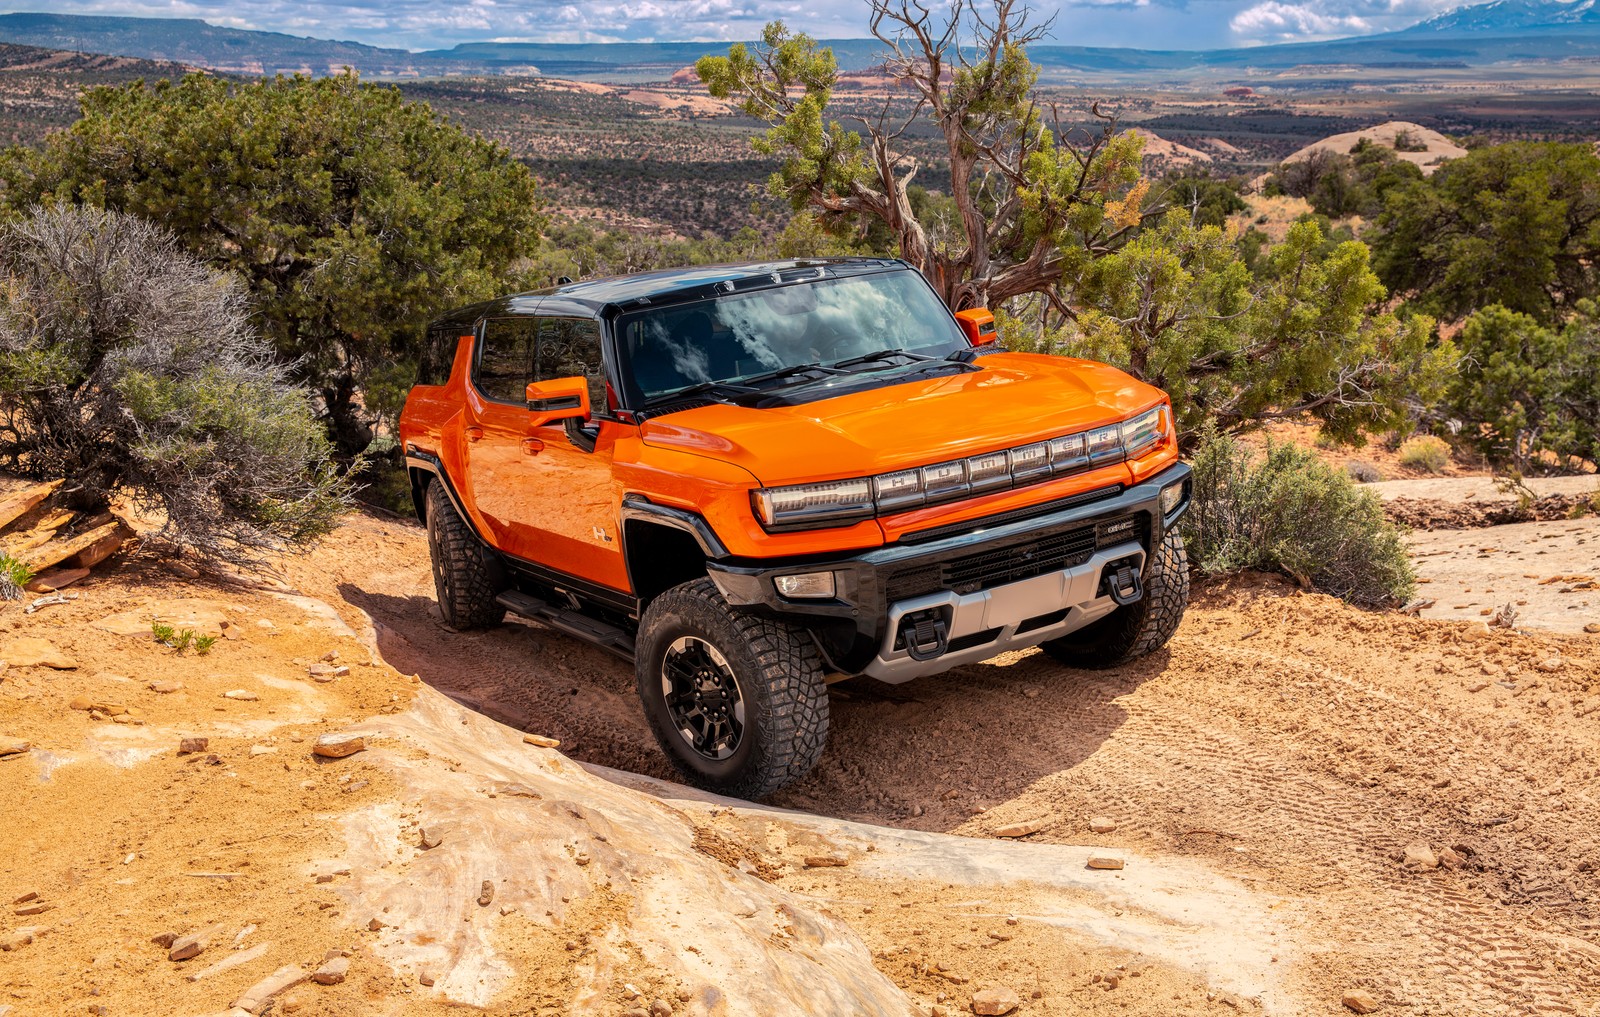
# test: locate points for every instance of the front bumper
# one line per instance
(958, 594)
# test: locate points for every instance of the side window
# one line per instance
(505, 359)
(438, 353)
(570, 348)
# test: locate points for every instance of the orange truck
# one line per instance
(753, 480)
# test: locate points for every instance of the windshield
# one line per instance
(743, 337)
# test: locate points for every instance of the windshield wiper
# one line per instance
(868, 358)
(784, 373)
(700, 389)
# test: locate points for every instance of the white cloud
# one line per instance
(1277, 21)
(1280, 21)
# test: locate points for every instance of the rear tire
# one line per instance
(467, 575)
(737, 702)
(1136, 629)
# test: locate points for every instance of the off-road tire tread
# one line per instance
(1137, 629)
(467, 574)
(793, 728)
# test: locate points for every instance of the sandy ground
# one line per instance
(1262, 778)
(1383, 730)
(1549, 573)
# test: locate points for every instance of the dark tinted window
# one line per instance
(570, 348)
(438, 353)
(505, 358)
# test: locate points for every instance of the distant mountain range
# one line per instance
(1512, 17)
(1497, 32)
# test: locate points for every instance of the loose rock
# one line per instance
(1360, 1000)
(166, 688)
(660, 1008)
(13, 746)
(95, 706)
(31, 651)
(230, 962)
(1419, 855)
(1105, 862)
(1100, 824)
(1024, 828)
(258, 996)
(995, 1001)
(337, 746)
(242, 695)
(332, 971)
(828, 861)
(185, 947)
(430, 837)
(543, 741)
(189, 745)
(486, 894)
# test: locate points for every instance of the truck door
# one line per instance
(545, 493)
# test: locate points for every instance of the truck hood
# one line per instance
(1015, 398)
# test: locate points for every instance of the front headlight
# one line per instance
(843, 502)
(833, 503)
(1144, 431)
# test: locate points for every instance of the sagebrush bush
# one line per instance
(1425, 452)
(1285, 510)
(126, 364)
(1363, 472)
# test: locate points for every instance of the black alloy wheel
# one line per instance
(703, 697)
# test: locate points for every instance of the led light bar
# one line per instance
(844, 502)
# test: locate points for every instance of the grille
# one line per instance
(1022, 559)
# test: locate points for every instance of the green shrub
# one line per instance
(1363, 472)
(128, 366)
(14, 575)
(1530, 394)
(1425, 453)
(1285, 510)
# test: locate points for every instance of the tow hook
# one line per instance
(1122, 582)
(925, 634)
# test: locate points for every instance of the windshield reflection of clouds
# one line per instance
(843, 319)
(741, 335)
(690, 361)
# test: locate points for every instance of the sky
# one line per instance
(437, 24)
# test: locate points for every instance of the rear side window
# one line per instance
(570, 348)
(438, 354)
(505, 358)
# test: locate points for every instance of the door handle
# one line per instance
(474, 432)
(532, 446)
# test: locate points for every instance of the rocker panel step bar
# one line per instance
(573, 623)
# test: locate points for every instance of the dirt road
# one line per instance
(1291, 741)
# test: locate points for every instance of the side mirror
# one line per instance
(978, 324)
(558, 399)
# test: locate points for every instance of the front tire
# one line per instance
(1136, 629)
(467, 575)
(737, 702)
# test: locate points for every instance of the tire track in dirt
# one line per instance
(1460, 943)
